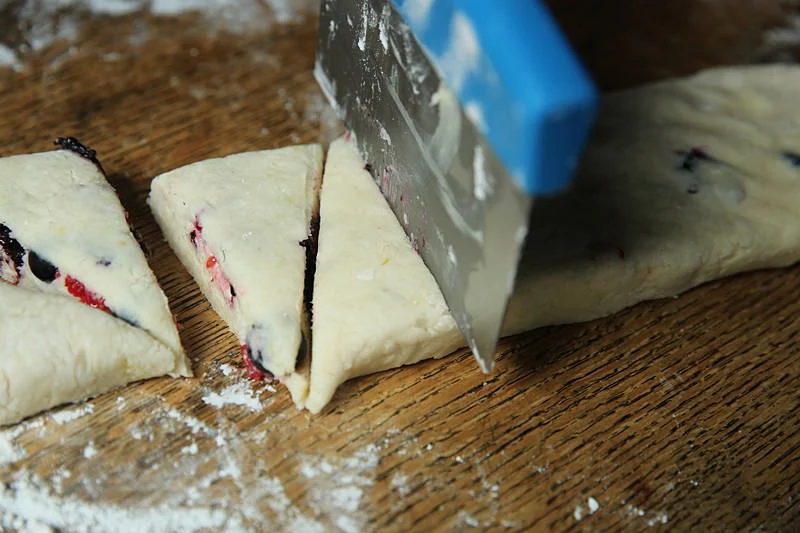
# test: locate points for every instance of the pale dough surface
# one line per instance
(61, 206)
(251, 212)
(376, 305)
(637, 225)
(57, 350)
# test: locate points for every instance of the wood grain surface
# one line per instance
(675, 415)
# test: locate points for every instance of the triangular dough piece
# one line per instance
(376, 305)
(57, 350)
(64, 231)
(240, 225)
(684, 181)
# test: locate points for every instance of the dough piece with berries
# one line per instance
(242, 226)
(376, 304)
(64, 232)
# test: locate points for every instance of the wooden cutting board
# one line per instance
(680, 414)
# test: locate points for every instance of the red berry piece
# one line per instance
(77, 289)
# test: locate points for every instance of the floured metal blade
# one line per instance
(462, 210)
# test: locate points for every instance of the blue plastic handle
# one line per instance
(517, 78)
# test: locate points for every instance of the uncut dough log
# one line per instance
(684, 181)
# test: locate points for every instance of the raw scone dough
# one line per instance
(60, 209)
(57, 350)
(684, 181)
(81, 310)
(376, 305)
(240, 225)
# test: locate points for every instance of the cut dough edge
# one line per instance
(280, 215)
(636, 226)
(54, 355)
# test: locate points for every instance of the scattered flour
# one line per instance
(46, 22)
(27, 497)
(10, 451)
(635, 511)
(591, 507)
(225, 489)
(226, 369)
(467, 519)
(89, 451)
(400, 484)
(660, 518)
(786, 36)
(578, 512)
(238, 393)
(337, 486)
(11, 522)
(192, 449)
(68, 415)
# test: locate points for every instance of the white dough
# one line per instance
(254, 211)
(60, 205)
(57, 350)
(376, 305)
(634, 227)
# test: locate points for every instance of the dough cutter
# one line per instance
(465, 112)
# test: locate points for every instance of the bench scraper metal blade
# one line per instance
(465, 111)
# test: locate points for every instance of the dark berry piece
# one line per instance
(74, 145)
(691, 158)
(253, 368)
(42, 268)
(103, 262)
(302, 351)
(793, 158)
(130, 321)
(12, 255)
(368, 168)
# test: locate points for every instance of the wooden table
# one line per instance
(679, 415)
